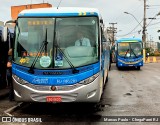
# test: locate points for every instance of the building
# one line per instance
(109, 35)
(15, 10)
(154, 45)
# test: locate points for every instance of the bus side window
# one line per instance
(102, 40)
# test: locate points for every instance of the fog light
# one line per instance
(53, 88)
(91, 94)
(18, 94)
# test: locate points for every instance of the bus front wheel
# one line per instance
(138, 67)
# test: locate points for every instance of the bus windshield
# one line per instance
(132, 49)
(76, 37)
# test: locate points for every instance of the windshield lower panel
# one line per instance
(130, 50)
(76, 37)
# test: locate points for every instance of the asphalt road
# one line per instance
(129, 92)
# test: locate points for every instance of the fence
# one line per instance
(153, 59)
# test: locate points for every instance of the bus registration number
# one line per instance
(53, 99)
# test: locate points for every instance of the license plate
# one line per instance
(130, 65)
(53, 99)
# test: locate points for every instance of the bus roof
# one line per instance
(61, 11)
(129, 40)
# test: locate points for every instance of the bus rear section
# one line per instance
(129, 53)
(50, 64)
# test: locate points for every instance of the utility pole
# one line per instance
(113, 30)
(144, 32)
(109, 34)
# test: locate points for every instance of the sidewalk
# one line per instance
(4, 93)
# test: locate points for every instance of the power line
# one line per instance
(151, 20)
(130, 22)
(138, 31)
(134, 18)
(137, 26)
(153, 28)
(154, 24)
(154, 5)
(130, 9)
(130, 31)
(59, 4)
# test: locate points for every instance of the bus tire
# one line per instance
(138, 67)
(106, 79)
(119, 68)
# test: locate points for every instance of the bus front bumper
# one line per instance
(70, 93)
(122, 63)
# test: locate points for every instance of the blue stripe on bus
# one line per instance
(121, 64)
(133, 59)
(68, 79)
(56, 14)
(129, 61)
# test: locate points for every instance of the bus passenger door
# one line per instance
(104, 59)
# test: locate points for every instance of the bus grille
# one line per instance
(58, 88)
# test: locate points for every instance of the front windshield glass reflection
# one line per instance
(76, 37)
(132, 49)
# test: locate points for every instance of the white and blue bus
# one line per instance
(49, 65)
(129, 53)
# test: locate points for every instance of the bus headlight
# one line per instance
(19, 80)
(89, 80)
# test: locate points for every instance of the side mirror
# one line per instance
(5, 30)
(10, 21)
(101, 21)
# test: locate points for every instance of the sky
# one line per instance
(112, 11)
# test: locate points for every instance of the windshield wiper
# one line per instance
(74, 70)
(126, 53)
(134, 53)
(44, 45)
